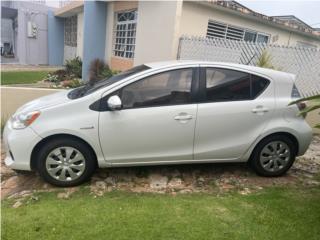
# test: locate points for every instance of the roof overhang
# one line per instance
(260, 20)
(70, 9)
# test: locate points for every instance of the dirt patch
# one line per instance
(214, 178)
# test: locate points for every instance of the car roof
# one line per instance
(274, 74)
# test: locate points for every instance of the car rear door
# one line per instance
(157, 121)
(234, 108)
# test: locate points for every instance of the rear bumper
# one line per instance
(304, 137)
(18, 145)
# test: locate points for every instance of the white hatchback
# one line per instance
(161, 113)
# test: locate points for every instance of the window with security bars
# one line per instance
(70, 31)
(226, 31)
(125, 34)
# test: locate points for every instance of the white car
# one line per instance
(161, 113)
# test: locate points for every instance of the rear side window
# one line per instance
(258, 85)
(229, 85)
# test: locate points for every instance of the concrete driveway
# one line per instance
(14, 97)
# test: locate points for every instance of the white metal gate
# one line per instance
(303, 62)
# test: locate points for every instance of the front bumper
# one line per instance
(18, 145)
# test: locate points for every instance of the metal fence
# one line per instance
(303, 62)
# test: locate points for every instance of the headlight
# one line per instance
(23, 120)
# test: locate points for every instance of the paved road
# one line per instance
(14, 97)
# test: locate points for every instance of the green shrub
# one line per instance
(74, 67)
(73, 83)
(99, 70)
(264, 60)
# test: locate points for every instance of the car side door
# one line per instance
(234, 108)
(156, 122)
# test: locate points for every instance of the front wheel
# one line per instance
(273, 156)
(65, 162)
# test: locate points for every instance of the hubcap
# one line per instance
(65, 163)
(275, 156)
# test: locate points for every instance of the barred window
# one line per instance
(124, 36)
(70, 31)
(226, 31)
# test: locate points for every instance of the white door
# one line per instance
(156, 122)
(235, 109)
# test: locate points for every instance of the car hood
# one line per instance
(45, 102)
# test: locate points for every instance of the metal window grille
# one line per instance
(70, 31)
(124, 36)
(226, 31)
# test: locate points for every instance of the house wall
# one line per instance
(32, 50)
(195, 16)
(70, 52)
(157, 31)
(117, 63)
(80, 35)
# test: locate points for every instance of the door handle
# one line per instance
(183, 117)
(260, 109)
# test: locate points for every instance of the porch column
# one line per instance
(55, 39)
(94, 33)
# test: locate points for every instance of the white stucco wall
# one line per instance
(80, 35)
(157, 31)
(195, 16)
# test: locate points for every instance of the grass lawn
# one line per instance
(22, 77)
(270, 214)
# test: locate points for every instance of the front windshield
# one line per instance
(92, 87)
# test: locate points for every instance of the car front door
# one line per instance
(234, 109)
(156, 122)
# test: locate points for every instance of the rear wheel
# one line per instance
(65, 162)
(273, 156)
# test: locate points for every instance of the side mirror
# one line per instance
(114, 103)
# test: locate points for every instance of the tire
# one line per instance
(273, 151)
(65, 162)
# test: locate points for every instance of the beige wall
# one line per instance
(116, 63)
(120, 64)
(195, 16)
(157, 31)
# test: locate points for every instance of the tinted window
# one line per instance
(168, 88)
(90, 88)
(227, 85)
(259, 84)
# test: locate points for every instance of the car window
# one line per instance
(227, 85)
(90, 88)
(259, 84)
(167, 88)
